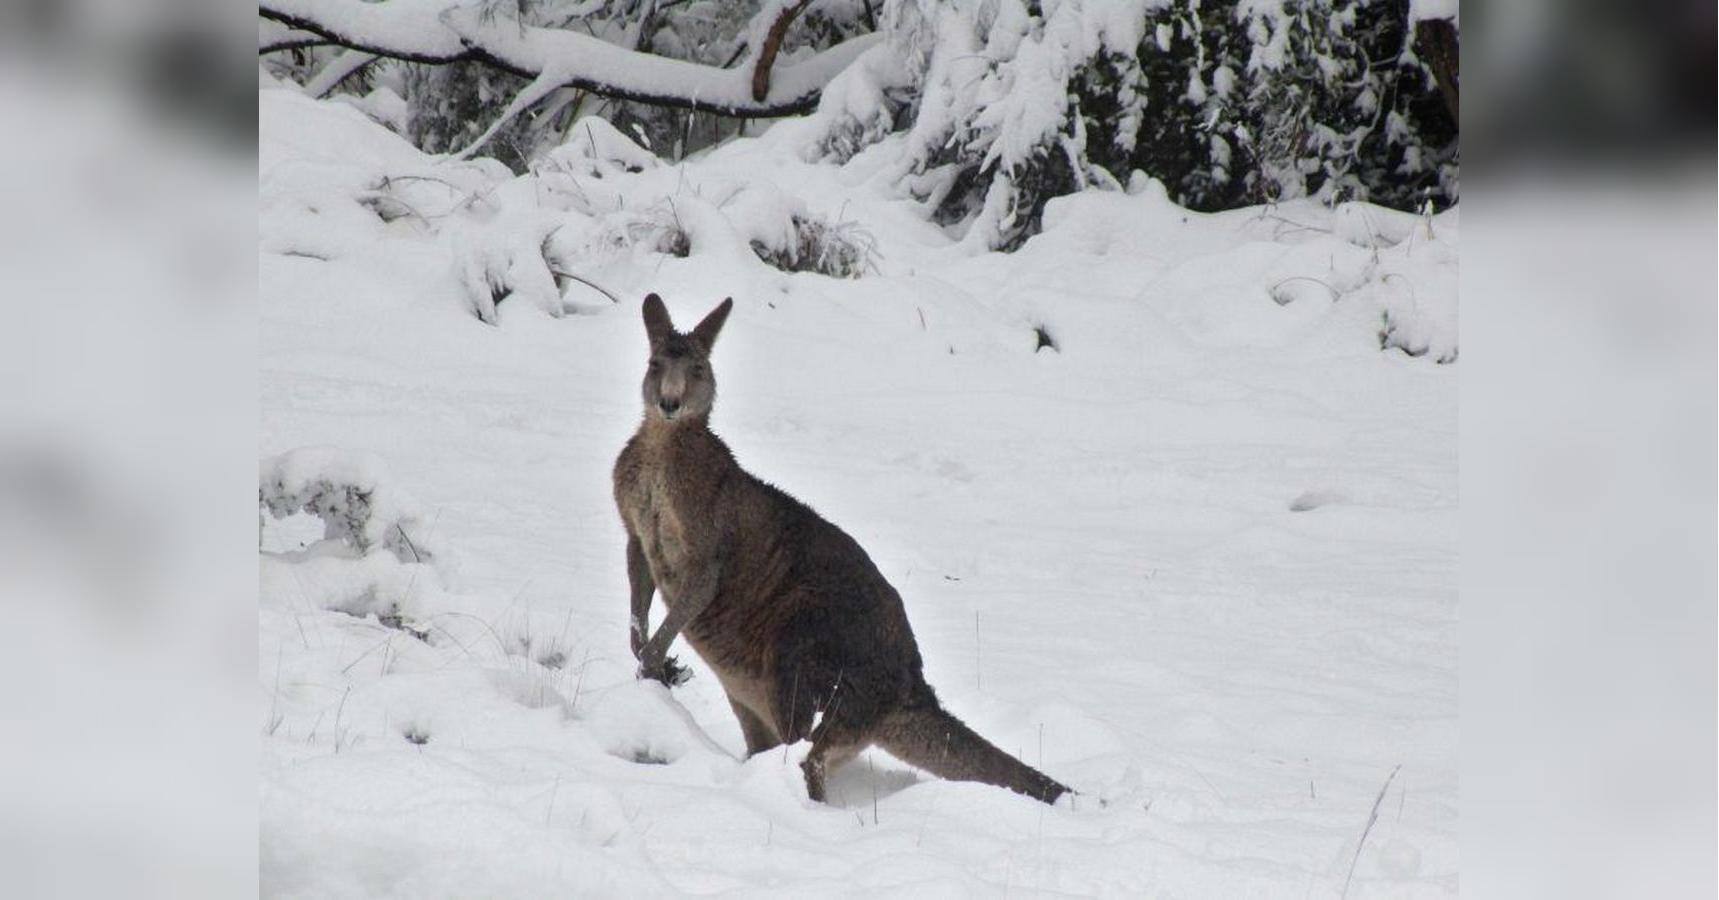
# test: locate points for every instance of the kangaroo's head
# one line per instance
(678, 383)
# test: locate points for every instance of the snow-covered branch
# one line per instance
(273, 37)
(442, 31)
(780, 15)
(339, 69)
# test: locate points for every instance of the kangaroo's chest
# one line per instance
(671, 523)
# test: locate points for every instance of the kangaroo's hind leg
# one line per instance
(828, 704)
(832, 748)
(758, 733)
(845, 729)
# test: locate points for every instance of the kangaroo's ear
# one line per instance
(657, 323)
(706, 331)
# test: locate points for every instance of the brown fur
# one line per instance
(785, 607)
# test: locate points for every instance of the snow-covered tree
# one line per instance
(1229, 102)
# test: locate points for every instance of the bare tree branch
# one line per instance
(773, 45)
(444, 31)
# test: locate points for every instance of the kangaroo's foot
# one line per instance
(832, 748)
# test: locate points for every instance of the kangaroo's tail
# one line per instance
(924, 734)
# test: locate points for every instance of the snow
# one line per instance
(415, 26)
(1198, 561)
(1434, 9)
(383, 105)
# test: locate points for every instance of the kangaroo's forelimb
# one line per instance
(643, 586)
(693, 599)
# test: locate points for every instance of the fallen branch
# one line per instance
(446, 31)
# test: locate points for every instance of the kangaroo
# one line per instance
(802, 631)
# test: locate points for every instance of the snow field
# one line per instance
(1197, 562)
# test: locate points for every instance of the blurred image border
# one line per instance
(1589, 454)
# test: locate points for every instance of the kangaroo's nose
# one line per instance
(669, 407)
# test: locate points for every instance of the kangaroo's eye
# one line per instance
(698, 371)
(656, 366)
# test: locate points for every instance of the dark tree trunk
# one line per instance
(1437, 44)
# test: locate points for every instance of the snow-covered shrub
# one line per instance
(1416, 290)
(838, 249)
(595, 148)
(506, 256)
(1418, 321)
(398, 593)
(656, 228)
(351, 493)
(862, 105)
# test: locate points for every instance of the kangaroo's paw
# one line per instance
(668, 671)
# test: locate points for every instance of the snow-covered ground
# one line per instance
(1198, 561)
